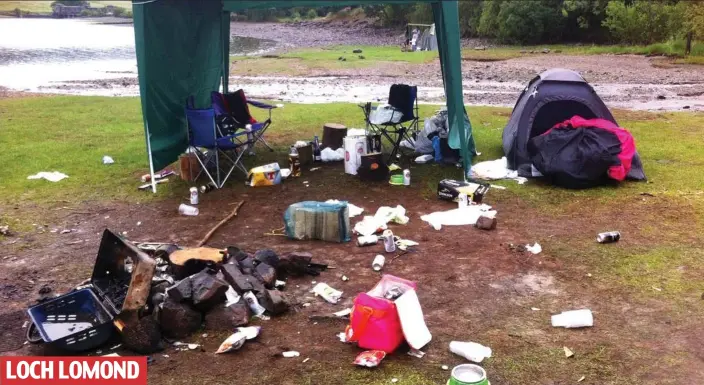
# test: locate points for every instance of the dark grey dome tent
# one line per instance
(552, 97)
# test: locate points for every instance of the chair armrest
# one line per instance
(261, 104)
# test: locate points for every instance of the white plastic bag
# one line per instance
(385, 114)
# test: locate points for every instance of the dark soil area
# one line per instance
(472, 287)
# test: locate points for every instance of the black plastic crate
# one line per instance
(76, 321)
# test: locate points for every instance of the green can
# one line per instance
(468, 374)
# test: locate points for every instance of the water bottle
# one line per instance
(436, 148)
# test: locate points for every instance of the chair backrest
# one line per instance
(201, 126)
(218, 102)
(403, 98)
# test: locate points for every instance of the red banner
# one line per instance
(73, 370)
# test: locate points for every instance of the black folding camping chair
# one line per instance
(404, 101)
(232, 114)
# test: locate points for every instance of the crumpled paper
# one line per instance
(352, 209)
(53, 176)
(385, 214)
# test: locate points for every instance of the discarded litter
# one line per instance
(495, 169)
(147, 186)
(236, 340)
(468, 374)
(573, 319)
(535, 248)
(369, 358)
(367, 240)
(568, 353)
(445, 367)
(608, 237)
(378, 262)
(345, 278)
(330, 155)
(404, 244)
(470, 350)
(306, 360)
(318, 220)
(535, 309)
(416, 353)
(53, 176)
(394, 380)
(266, 175)
(108, 160)
(328, 293)
(65, 231)
(185, 209)
(389, 243)
(424, 159)
(353, 210)
(291, 354)
(400, 317)
(343, 313)
(457, 217)
(581, 378)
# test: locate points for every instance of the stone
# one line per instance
(246, 265)
(661, 97)
(273, 301)
(486, 223)
(267, 256)
(223, 318)
(208, 290)
(142, 335)
(361, 57)
(178, 320)
(181, 291)
(294, 264)
(357, 51)
(235, 278)
(266, 275)
(546, 50)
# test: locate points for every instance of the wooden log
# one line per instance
(333, 133)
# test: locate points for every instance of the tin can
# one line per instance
(462, 200)
(378, 262)
(608, 237)
(254, 305)
(367, 240)
(406, 177)
(468, 374)
(389, 244)
(206, 188)
(185, 209)
(194, 195)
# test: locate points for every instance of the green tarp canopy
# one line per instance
(183, 49)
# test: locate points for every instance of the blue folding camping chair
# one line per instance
(211, 146)
(232, 114)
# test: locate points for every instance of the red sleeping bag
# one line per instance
(580, 153)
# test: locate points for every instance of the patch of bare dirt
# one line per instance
(471, 284)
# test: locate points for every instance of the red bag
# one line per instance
(374, 322)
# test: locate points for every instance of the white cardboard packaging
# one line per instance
(573, 319)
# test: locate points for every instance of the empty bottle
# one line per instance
(317, 153)
(294, 162)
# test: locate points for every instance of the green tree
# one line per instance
(584, 20)
(530, 22)
(489, 19)
(642, 22)
(470, 12)
(71, 2)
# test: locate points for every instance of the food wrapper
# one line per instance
(236, 340)
(328, 293)
(369, 358)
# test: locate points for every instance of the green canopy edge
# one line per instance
(182, 49)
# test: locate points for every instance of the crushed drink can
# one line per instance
(406, 177)
(462, 200)
(207, 188)
(367, 240)
(608, 237)
(194, 195)
(253, 304)
(378, 262)
(393, 293)
(185, 209)
(389, 243)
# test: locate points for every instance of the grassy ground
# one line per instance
(661, 262)
(303, 61)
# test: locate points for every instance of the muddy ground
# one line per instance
(472, 286)
(623, 81)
